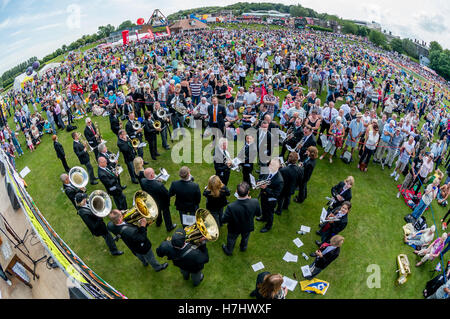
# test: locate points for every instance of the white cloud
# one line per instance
(4, 4)
(49, 26)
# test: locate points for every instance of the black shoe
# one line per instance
(172, 228)
(135, 182)
(318, 243)
(146, 163)
(154, 158)
(225, 250)
(260, 219)
(158, 225)
(163, 266)
(167, 148)
(94, 183)
(264, 230)
(95, 178)
(145, 264)
(157, 154)
(123, 187)
(243, 249)
(318, 233)
(278, 213)
(117, 253)
(313, 254)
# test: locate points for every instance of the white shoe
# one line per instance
(398, 195)
(9, 282)
(396, 177)
(393, 174)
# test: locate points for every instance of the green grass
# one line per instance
(373, 236)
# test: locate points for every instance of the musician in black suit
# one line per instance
(306, 141)
(70, 190)
(127, 149)
(165, 122)
(114, 121)
(83, 156)
(137, 97)
(95, 224)
(159, 192)
(103, 151)
(60, 153)
(264, 144)
(247, 156)
(338, 221)
(290, 174)
(187, 193)
(269, 193)
(135, 237)
(217, 114)
(132, 133)
(150, 134)
(91, 135)
(174, 100)
(190, 259)
(325, 255)
(342, 192)
(111, 183)
(222, 160)
(239, 216)
(296, 134)
(307, 166)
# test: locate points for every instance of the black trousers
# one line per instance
(218, 216)
(152, 146)
(165, 213)
(131, 172)
(90, 171)
(247, 169)
(64, 162)
(232, 238)
(110, 242)
(268, 208)
(283, 202)
(224, 175)
(302, 193)
(120, 200)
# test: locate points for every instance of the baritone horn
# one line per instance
(100, 203)
(144, 207)
(205, 226)
(403, 269)
(157, 125)
(135, 142)
(161, 113)
(78, 177)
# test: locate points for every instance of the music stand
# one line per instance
(16, 238)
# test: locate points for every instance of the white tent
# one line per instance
(48, 67)
(20, 78)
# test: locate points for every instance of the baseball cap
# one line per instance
(178, 238)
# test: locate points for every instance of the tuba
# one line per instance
(78, 177)
(100, 203)
(137, 125)
(205, 226)
(144, 207)
(161, 113)
(403, 269)
(177, 106)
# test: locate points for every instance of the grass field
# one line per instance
(373, 236)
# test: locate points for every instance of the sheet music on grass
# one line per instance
(25, 171)
(306, 271)
(289, 283)
(290, 257)
(258, 266)
(298, 242)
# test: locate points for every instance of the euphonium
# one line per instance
(135, 142)
(157, 124)
(403, 269)
(161, 113)
(144, 207)
(78, 177)
(205, 226)
(137, 125)
(100, 203)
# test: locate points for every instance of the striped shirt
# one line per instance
(195, 88)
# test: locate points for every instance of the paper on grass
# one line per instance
(290, 257)
(289, 283)
(298, 242)
(305, 270)
(25, 171)
(258, 266)
(305, 229)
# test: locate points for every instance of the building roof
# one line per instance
(188, 24)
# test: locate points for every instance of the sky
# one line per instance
(38, 27)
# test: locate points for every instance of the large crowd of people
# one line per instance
(236, 81)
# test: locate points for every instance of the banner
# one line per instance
(82, 276)
(315, 286)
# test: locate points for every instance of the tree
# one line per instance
(349, 27)
(410, 48)
(105, 31)
(435, 46)
(377, 38)
(298, 11)
(125, 25)
(397, 45)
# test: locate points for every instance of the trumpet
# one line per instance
(262, 183)
(144, 207)
(78, 177)
(100, 203)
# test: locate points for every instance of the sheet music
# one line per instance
(117, 155)
(290, 149)
(305, 229)
(305, 270)
(298, 242)
(282, 134)
(21, 271)
(25, 171)
(289, 283)
(257, 266)
(188, 220)
(323, 216)
(288, 257)
(252, 181)
(143, 144)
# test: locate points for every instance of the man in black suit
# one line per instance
(217, 114)
(338, 221)
(177, 100)
(342, 192)
(103, 151)
(95, 224)
(111, 183)
(91, 135)
(247, 156)
(83, 157)
(114, 121)
(60, 153)
(127, 149)
(290, 174)
(70, 190)
(264, 145)
(325, 255)
(270, 193)
(187, 193)
(222, 160)
(297, 133)
(239, 215)
(135, 237)
(150, 134)
(190, 259)
(132, 133)
(306, 141)
(159, 192)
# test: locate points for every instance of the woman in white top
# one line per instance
(370, 145)
(425, 169)
(421, 238)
